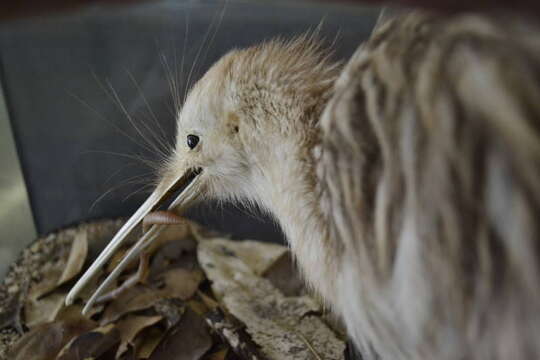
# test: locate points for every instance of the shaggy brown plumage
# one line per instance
(431, 162)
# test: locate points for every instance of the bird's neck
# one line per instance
(290, 193)
(283, 90)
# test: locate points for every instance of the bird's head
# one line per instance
(253, 108)
(209, 146)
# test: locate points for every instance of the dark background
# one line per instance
(74, 139)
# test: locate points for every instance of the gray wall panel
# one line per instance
(62, 115)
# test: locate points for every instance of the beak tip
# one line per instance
(69, 299)
(85, 310)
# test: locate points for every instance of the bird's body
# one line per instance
(431, 161)
(408, 189)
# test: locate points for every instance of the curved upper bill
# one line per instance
(186, 184)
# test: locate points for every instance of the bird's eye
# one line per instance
(192, 141)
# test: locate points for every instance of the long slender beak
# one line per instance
(186, 184)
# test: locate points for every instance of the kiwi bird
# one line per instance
(407, 181)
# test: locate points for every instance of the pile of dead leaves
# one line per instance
(189, 296)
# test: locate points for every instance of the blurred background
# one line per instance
(87, 97)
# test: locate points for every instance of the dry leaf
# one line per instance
(74, 311)
(255, 254)
(92, 344)
(138, 297)
(76, 258)
(68, 265)
(181, 283)
(128, 355)
(139, 277)
(173, 233)
(188, 340)
(117, 258)
(163, 261)
(100, 234)
(44, 310)
(277, 323)
(11, 316)
(130, 327)
(92, 285)
(51, 272)
(218, 355)
(45, 341)
(171, 310)
(234, 333)
(174, 254)
(148, 341)
(208, 301)
(284, 275)
(38, 309)
(198, 307)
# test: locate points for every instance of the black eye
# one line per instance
(192, 141)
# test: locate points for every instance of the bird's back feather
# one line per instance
(430, 175)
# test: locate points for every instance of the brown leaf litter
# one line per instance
(163, 306)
